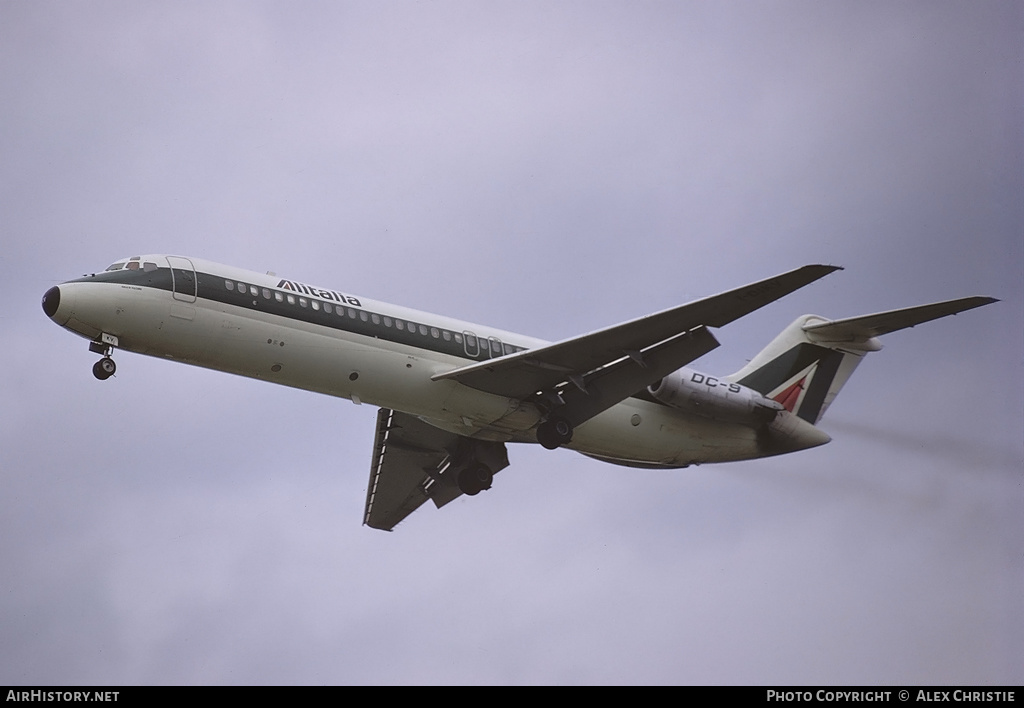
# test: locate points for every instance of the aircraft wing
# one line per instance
(524, 373)
(412, 462)
(867, 326)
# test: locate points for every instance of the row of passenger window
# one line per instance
(470, 341)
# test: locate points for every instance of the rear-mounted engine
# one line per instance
(710, 397)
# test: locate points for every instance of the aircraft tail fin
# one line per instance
(805, 367)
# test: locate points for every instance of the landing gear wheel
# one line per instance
(554, 432)
(104, 368)
(475, 478)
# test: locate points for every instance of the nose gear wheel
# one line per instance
(104, 368)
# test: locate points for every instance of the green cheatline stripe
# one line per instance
(212, 288)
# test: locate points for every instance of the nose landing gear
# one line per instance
(104, 368)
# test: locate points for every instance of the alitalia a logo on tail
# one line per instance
(801, 378)
(318, 292)
(790, 395)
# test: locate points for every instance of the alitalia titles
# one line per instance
(317, 292)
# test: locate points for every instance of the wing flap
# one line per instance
(399, 471)
(413, 461)
(521, 374)
(616, 382)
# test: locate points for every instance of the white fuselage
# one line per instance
(265, 327)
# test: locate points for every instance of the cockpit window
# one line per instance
(134, 263)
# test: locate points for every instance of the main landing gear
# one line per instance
(105, 367)
(554, 432)
(475, 479)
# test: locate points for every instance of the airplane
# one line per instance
(452, 394)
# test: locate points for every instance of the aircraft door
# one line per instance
(471, 344)
(496, 348)
(183, 278)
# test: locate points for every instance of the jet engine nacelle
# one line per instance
(711, 397)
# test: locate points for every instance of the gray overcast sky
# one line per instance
(548, 168)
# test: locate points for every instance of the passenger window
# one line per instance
(399, 325)
(291, 299)
(229, 285)
(376, 319)
(363, 316)
(351, 313)
(387, 321)
(434, 332)
(328, 309)
(447, 335)
(279, 297)
(315, 305)
(458, 337)
(266, 293)
(423, 330)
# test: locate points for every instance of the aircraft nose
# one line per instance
(51, 301)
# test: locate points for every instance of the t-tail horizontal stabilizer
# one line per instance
(805, 367)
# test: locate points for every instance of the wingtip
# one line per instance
(820, 270)
(976, 301)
